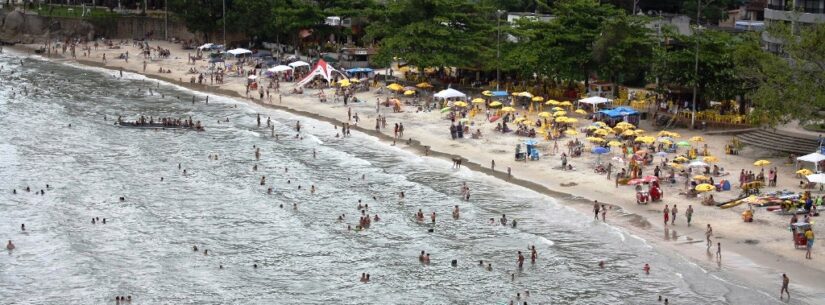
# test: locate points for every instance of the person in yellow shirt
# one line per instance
(809, 235)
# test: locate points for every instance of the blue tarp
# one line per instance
(619, 112)
(499, 93)
(359, 70)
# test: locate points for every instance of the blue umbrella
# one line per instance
(600, 150)
(530, 142)
(661, 154)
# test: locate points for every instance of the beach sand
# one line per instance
(757, 252)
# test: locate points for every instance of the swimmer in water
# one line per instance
(520, 260)
(255, 167)
(646, 269)
(10, 246)
(312, 189)
(533, 254)
(420, 215)
(455, 212)
(601, 264)
(376, 218)
(421, 256)
(205, 252)
(23, 226)
(195, 248)
(432, 216)
(489, 267)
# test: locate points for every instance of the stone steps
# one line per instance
(780, 141)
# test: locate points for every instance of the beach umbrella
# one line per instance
(519, 120)
(680, 159)
(495, 104)
(664, 133)
(646, 140)
(805, 172)
(697, 139)
(639, 131)
(424, 85)
(697, 163)
(762, 163)
(704, 187)
(561, 119)
(253, 77)
(557, 108)
(601, 132)
(675, 135)
(816, 178)
(571, 132)
(409, 92)
(683, 144)
(571, 120)
(625, 125)
(614, 144)
(581, 111)
(594, 139)
(445, 109)
(600, 124)
(559, 113)
(508, 109)
(710, 159)
(591, 127)
(565, 103)
(628, 133)
(676, 165)
(545, 114)
(486, 93)
(395, 87)
(600, 150)
(478, 100)
(661, 154)
(460, 104)
(537, 99)
(551, 102)
(700, 178)
(525, 94)
(666, 142)
(404, 69)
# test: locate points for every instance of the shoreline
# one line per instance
(630, 219)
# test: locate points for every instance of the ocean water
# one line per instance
(304, 254)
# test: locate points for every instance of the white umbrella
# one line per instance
(239, 51)
(253, 77)
(298, 64)
(697, 163)
(816, 178)
(280, 68)
(449, 93)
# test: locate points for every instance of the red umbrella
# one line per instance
(649, 179)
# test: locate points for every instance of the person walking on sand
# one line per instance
(708, 234)
(719, 251)
(785, 282)
(493, 165)
(666, 212)
(809, 235)
(604, 213)
(673, 212)
(689, 214)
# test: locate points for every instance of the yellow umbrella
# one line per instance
(581, 111)
(710, 159)
(552, 102)
(595, 139)
(762, 163)
(625, 125)
(525, 94)
(486, 93)
(424, 85)
(545, 114)
(646, 140)
(680, 159)
(600, 124)
(354, 80)
(628, 133)
(565, 103)
(409, 92)
(559, 113)
(700, 178)
(561, 119)
(495, 104)
(591, 127)
(557, 108)
(666, 142)
(537, 99)
(344, 83)
(600, 132)
(508, 109)
(704, 187)
(697, 139)
(675, 135)
(478, 100)
(519, 120)
(664, 133)
(571, 120)
(676, 165)
(395, 87)
(460, 104)
(404, 69)
(639, 131)
(805, 172)
(571, 132)
(614, 143)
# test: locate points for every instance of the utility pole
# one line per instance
(225, 47)
(498, 49)
(166, 20)
(695, 65)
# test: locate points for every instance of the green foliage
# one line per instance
(717, 77)
(435, 33)
(789, 88)
(200, 16)
(624, 48)
(712, 11)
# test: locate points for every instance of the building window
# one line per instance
(811, 6)
(776, 5)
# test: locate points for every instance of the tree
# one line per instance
(435, 33)
(712, 11)
(200, 16)
(624, 48)
(785, 89)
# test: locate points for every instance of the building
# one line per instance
(747, 17)
(797, 13)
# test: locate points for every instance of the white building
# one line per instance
(797, 13)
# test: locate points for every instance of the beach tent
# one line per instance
(323, 69)
(239, 51)
(300, 64)
(815, 158)
(594, 101)
(280, 68)
(816, 178)
(449, 93)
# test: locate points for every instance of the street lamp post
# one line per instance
(498, 49)
(695, 65)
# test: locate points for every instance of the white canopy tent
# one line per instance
(279, 68)
(298, 64)
(815, 158)
(595, 100)
(816, 178)
(450, 93)
(239, 51)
